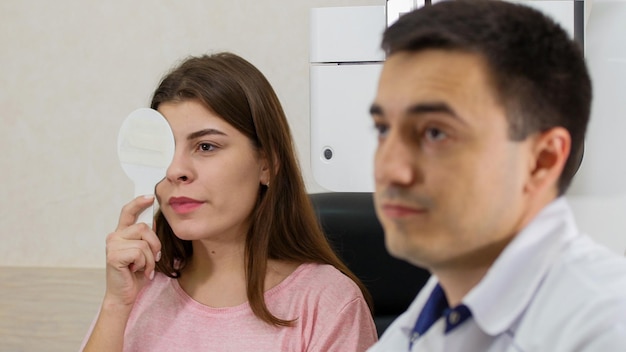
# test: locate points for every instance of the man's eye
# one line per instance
(381, 129)
(434, 134)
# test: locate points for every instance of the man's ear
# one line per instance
(550, 150)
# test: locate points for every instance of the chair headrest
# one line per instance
(350, 223)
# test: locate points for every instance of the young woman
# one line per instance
(237, 260)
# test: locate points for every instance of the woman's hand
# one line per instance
(132, 252)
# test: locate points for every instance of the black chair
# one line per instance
(351, 225)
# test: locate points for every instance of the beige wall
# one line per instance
(72, 70)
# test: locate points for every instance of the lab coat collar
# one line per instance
(507, 289)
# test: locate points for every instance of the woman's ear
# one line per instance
(267, 171)
(550, 150)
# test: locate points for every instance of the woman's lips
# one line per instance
(184, 205)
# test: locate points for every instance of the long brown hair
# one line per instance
(283, 223)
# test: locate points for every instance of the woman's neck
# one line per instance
(215, 274)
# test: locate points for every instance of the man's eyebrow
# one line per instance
(420, 109)
(375, 109)
(204, 132)
(436, 107)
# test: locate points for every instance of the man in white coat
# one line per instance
(481, 113)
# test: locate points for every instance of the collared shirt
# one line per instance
(552, 289)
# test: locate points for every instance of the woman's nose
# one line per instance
(180, 169)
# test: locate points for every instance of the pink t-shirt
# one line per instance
(330, 313)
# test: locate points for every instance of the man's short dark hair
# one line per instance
(537, 71)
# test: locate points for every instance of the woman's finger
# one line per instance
(131, 211)
(138, 236)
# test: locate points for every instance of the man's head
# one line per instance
(482, 109)
(537, 72)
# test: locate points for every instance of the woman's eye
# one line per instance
(206, 147)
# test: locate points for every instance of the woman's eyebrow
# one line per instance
(204, 132)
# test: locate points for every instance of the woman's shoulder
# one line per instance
(323, 301)
(322, 279)
(325, 273)
(161, 284)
